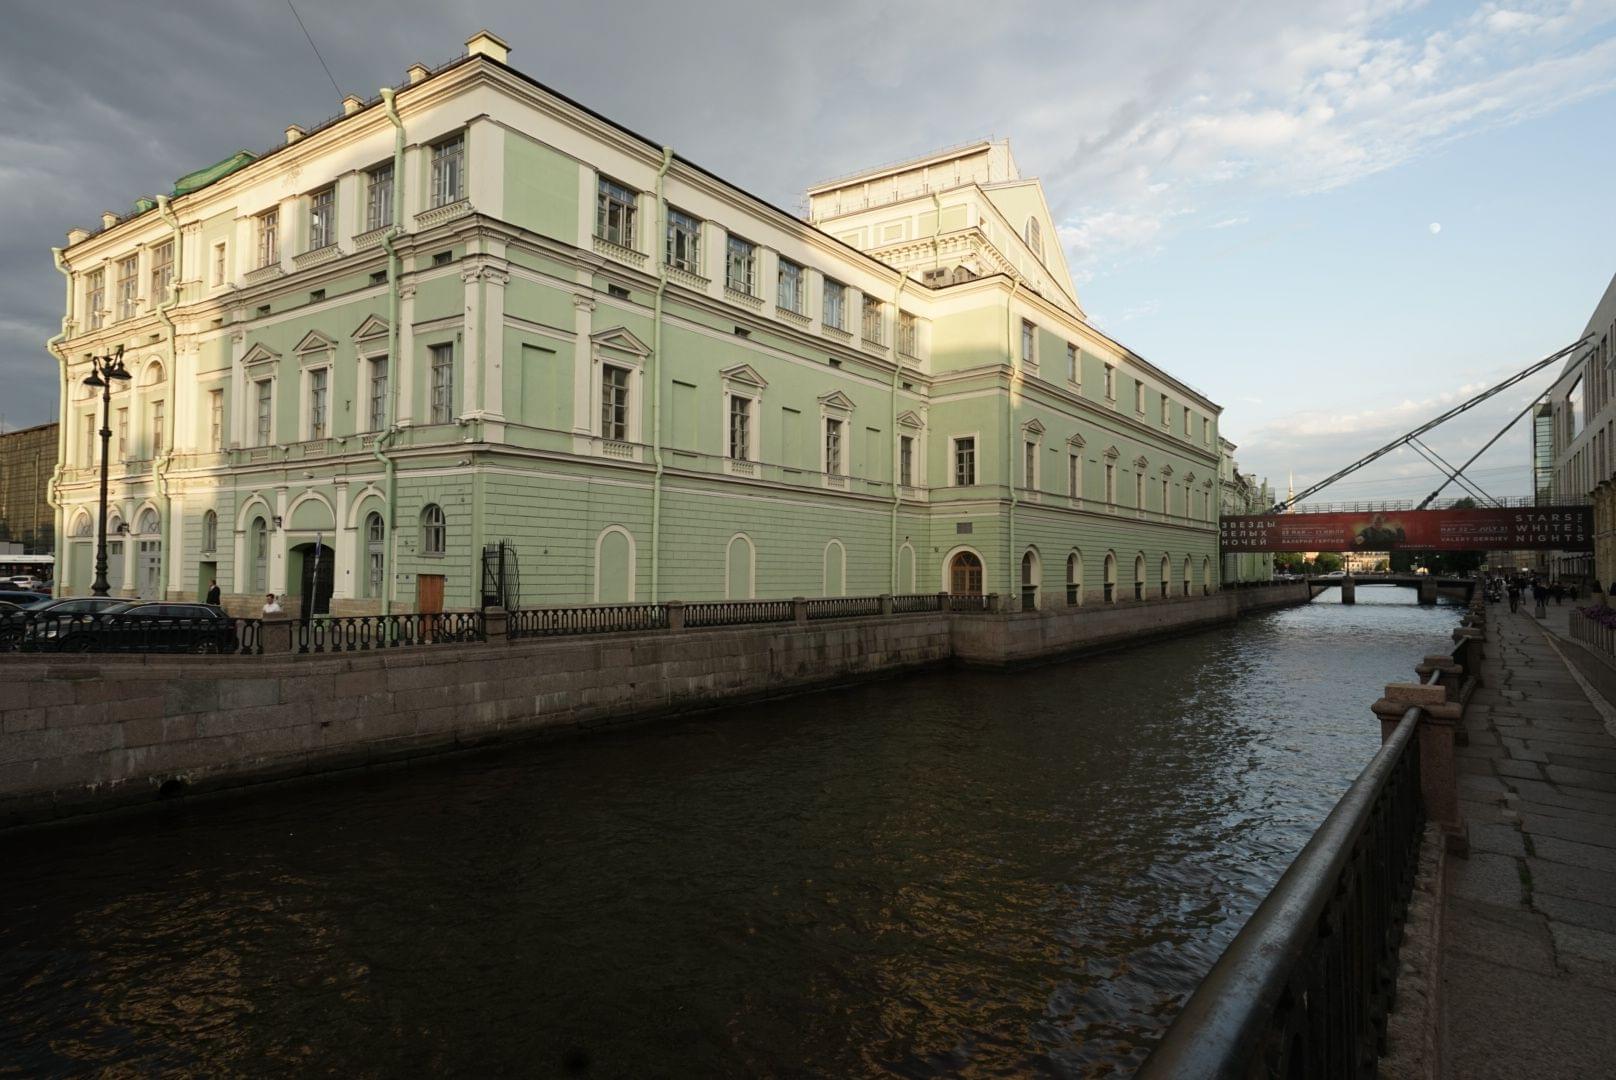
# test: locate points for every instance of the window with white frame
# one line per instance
(442, 383)
(162, 271)
(264, 398)
(835, 306)
(872, 320)
(1167, 506)
(122, 434)
(834, 430)
(379, 197)
(318, 380)
(1034, 239)
(684, 241)
(375, 537)
(1111, 483)
(1029, 464)
(210, 531)
(906, 460)
(791, 292)
(1111, 382)
(1187, 426)
(434, 530)
(614, 402)
(322, 218)
(1139, 491)
(128, 270)
(740, 264)
(158, 434)
(1139, 398)
(89, 439)
(1166, 411)
(269, 241)
(449, 171)
(1074, 474)
(259, 534)
(615, 209)
(215, 419)
(378, 393)
(1029, 344)
(1206, 430)
(1074, 370)
(95, 284)
(218, 264)
(740, 427)
(964, 461)
(908, 334)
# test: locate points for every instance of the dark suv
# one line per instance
(135, 627)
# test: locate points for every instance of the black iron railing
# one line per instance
(593, 619)
(362, 633)
(250, 633)
(1303, 990)
(43, 631)
(842, 607)
(915, 603)
(739, 612)
(967, 602)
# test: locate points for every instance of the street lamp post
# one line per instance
(104, 370)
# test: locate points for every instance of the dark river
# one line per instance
(953, 874)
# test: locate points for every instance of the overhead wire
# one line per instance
(316, 48)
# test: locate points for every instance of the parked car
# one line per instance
(21, 597)
(135, 627)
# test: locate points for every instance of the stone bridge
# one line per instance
(1429, 586)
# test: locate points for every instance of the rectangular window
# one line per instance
(1110, 382)
(317, 399)
(127, 269)
(615, 206)
(872, 320)
(1166, 411)
(906, 460)
(89, 440)
(218, 265)
(1139, 398)
(740, 427)
(1167, 506)
(449, 171)
(1029, 465)
(684, 241)
(323, 219)
(379, 197)
(162, 271)
(215, 419)
(833, 446)
(1206, 430)
(790, 293)
(1110, 483)
(1073, 372)
(265, 389)
(123, 434)
(157, 433)
(96, 286)
(614, 403)
(378, 393)
(740, 259)
(1187, 424)
(1029, 344)
(835, 313)
(1139, 491)
(908, 334)
(269, 244)
(964, 462)
(1074, 475)
(442, 383)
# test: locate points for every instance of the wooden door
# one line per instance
(428, 602)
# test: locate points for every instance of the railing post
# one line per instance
(886, 603)
(942, 601)
(1439, 774)
(799, 610)
(676, 614)
(278, 636)
(496, 624)
(993, 603)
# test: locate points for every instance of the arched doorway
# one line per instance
(1110, 578)
(1029, 580)
(1138, 577)
(315, 578)
(149, 550)
(1189, 575)
(1166, 575)
(965, 574)
(1074, 579)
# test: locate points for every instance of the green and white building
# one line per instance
(472, 311)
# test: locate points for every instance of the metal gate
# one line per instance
(501, 579)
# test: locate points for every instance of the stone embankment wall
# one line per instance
(80, 733)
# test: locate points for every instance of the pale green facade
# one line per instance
(754, 448)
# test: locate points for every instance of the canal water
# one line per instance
(951, 874)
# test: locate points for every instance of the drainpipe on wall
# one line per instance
(160, 472)
(52, 493)
(1013, 565)
(655, 396)
(378, 446)
(897, 373)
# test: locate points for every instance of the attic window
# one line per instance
(835, 362)
(263, 309)
(442, 258)
(316, 296)
(1034, 240)
(617, 291)
(379, 277)
(742, 332)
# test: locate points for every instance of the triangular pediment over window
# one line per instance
(1113, 453)
(1167, 470)
(374, 326)
(260, 354)
(745, 374)
(1141, 463)
(1033, 427)
(1076, 441)
(314, 342)
(837, 400)
(620, 339)
(910, 419)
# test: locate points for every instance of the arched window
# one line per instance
(965, 574)
(1029, 580)
(835, 563)
(147, 523)
(434, 530)
(84, 526)
(210, 531)
(1138, 577)
(375, 537)
(1034, 240)
(1166, 574)
(258, 539)
(739, 568)
(1074, 579)
(1189, 575)
(1110, 578)
(1206, 575)
(153, 375)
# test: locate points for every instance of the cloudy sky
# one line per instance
(1335, 218)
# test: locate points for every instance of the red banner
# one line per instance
(1564, 528)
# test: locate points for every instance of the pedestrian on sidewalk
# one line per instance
(213, 592)
(272, 606)
(1514, 595)
(1540, 599)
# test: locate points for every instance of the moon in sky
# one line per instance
(1436, 227)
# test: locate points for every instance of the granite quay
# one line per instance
(80, 732)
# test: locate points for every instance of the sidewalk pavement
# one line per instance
(1529, 932)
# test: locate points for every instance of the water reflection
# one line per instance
(955, 874)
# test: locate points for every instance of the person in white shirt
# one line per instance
(272, 606)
